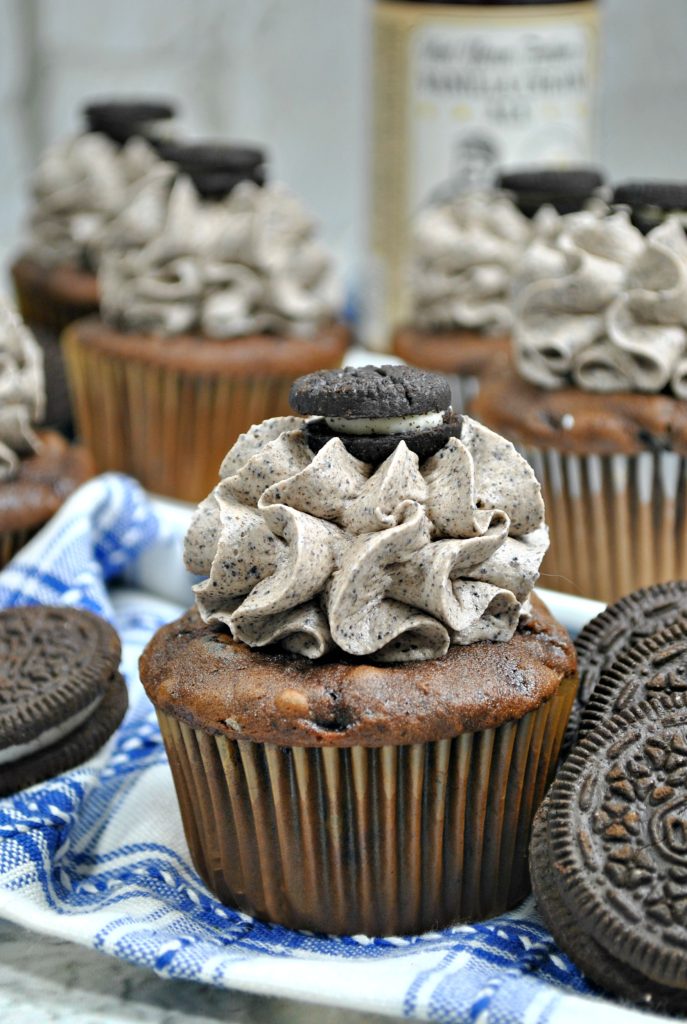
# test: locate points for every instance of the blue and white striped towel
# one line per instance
(98, 856)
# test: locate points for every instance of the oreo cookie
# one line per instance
(608, 856)
(651, 202)
(650, 669)
(373, 408)
(215, 168)
(618, 629)
(61, 694)
(120, 119)
(566, 190)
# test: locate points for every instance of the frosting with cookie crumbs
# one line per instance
(394, 562)
(22, 392)
(605, 308)
(81, 188)
(464, 256)
(249, 263)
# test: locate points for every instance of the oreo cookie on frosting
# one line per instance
(373, 408)
(650, 202)
(215, 168)
(566, 190)
(61, 693)
(121, 119)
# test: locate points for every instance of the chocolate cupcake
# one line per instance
(38, 469)
(365, 708)
(464, 255)
(203, 330)
(79, 190)
(598, 401)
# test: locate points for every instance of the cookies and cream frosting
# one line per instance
(22, 391)
(82, 185)
(464, 256)
(608, 310)
(249, 263)
(393, 562)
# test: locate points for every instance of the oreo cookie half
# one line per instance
(650, 202)
(566, 190)
(61, 694)
(373, 408)
(610, 848)
(215, 168)
(119, 120)
(618, 629)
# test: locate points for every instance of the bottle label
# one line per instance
(458, 93)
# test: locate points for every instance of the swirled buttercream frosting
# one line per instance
(464, 256)
(80, 190)
(22, 392)
(394, 562)
(607, 310)
(249, 263)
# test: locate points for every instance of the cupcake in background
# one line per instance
(39, 469)
(365, 709)
(465, 253)
(204, 329)
(598, 400)
(79, 187)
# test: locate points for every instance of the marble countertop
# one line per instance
(50, 981)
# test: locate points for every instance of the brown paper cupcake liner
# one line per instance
(464, 389)
(379, 841)
(168, 427)
(42, 306)
(617, 522)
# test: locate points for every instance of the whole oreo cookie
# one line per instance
(119, 120)
(566, 190)
(61, 694)
(616, 631)
(215, 168)
(609, 853)
(650, 202)
(373, 408)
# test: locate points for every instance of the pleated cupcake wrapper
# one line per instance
(41, 308)
(379, 841)
(11, 541)
(617, 522)
(168, 428)
(464, 389)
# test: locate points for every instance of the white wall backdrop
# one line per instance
(292, 74)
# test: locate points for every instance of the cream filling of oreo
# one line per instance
(385, 424)
(49, 736)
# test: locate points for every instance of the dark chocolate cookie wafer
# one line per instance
(120, 119)
(593, 959)
(565, 190)
(215, 168)
(615, 847)
(373, 408)
(617, 630)
(651, 668)
(61, 694)
(651, 202)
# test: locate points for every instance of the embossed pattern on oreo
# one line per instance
(53, 663)
(652, 667)
(617, 825)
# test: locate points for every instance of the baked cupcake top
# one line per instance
(391, 557)
(22, 392)
(603, 308)
(464, 255)
(79, 186)
(247, 263)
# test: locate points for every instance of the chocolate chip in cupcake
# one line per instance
(608, 856)
(61, 693)
(215, 168)
(650, 202)
(120, 119)
(373, 408)
(565, 190)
